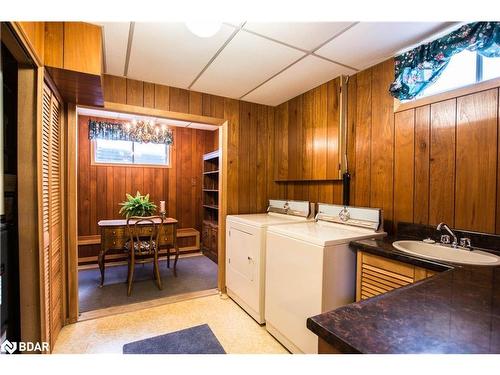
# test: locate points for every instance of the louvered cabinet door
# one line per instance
(55, 221)
(51, 202)
(44, 160)
(377, 275)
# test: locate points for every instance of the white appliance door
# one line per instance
(243, 244)
(294, 274)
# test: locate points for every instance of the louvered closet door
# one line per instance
(44, 160)
(51, 198)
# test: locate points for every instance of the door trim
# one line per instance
(72, 193)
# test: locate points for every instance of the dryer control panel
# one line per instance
(371, 218)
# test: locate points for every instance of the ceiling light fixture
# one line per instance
(204, 29)
(146, 132)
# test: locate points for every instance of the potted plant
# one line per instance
(137, 206)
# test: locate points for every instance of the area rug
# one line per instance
(194, 273)
(195, 340)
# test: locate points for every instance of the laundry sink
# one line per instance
(447, 253)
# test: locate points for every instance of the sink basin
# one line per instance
(448, 254)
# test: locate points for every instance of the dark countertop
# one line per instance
(455, 311)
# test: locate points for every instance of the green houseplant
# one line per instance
(137, 206)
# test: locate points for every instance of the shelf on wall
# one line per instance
(211, 222)
(211, 155)
(210, 226)
(308, 180)
(213, 207)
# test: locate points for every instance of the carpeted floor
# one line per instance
(193, 274)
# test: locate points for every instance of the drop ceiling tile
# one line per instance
(304, 35)
(247, 61)
(308, 73)
(168, 53)
(115, 45)
(368, 43)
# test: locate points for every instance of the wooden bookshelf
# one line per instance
(210, 224)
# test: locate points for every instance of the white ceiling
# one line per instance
(300, 77)
(168, 53)
(368, 43)
(247, 61)
(84, 111)
(265, 63)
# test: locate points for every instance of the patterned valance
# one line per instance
(417, 69)
(143, 132)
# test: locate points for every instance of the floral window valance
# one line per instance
(417, 69)
(143, 132)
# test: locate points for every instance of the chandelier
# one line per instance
(146, 132)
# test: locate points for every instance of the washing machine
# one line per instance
(246, 251)
(310, 269)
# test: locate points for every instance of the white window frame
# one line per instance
(168, 150)
(479, 79)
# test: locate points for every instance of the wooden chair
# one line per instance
(144, 243)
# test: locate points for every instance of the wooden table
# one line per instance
(114, 235)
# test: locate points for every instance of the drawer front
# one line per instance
(167, 235)
(114, 238)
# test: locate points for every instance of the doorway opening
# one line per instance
(176, 177)
(9, 247)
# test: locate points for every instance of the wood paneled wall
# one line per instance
(307, 128)
(306, 146)
(435, 162)
(446, 162)
(102, 188)
(250, 134)
(370, 113)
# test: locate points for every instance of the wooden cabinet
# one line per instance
(209, 239)
(75, 46)
(82, 47)
(73, 59)
(205, 235)
(34, 33)
(377, 275)
(210, 225)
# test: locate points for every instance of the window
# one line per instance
(130, 153)
(491, 67)
(465, 68)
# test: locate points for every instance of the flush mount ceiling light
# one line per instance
(204, 29)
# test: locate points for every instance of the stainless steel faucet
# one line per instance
(447, 228)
